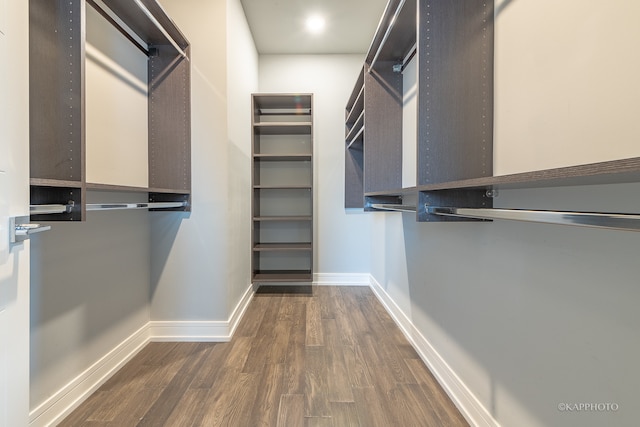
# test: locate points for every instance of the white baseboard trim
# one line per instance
(470, 407)
(341, 279)
(201, 331)
(62, 403)
(69, 397)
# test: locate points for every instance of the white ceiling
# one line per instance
(278, 25)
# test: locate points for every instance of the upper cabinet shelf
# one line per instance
(610, 172)
(454, 79)
(278, 128)
(58, 104)
(436, 57)
(395, 37)
(149, 21)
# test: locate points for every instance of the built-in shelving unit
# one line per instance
(453, 45)
(282, 185)
(354, 140)
(57, 105)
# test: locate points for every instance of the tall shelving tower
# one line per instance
(282, 186)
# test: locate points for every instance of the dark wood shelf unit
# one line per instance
(396, 33)
(373, 135)
(272, 276)
(373, 150)
(282, 128)
(452, 44)
(455, 116)
(289, 218)
(609, 172)
(282, 157)
(283, 187)
(282, 182)
(283, 247)
(356, 129)
(57, 31)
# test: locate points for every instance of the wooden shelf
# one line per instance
(282, 187)
(54, 183)
(282, 276)
(268, 101)
(282, 128)
(356, 112)
(356, 129)
(356, 142)
(282, 157)
(357, 93)
(396, 33)
(610, 172)
(600, 173)
(143, 26)
(283, 247)
(284, 218)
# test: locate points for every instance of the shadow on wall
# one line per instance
(165, 227)
(502, 5)
(89, 291)
(531, 316)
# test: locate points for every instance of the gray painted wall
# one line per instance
(89, 292)
(201, 261)
(528, 315)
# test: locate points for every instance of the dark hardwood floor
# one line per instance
(321, 356)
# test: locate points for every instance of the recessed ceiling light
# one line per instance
(315, 24)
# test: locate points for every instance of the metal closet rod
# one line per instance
(118, 27)
(60, 208)
(387, 33)
(100, 9)
(158, 25)
(615, 221)
(393, 207)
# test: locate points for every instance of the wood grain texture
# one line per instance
(56, 83)
(383, 129)
(271, 374)
(169, 120)
(455, 99)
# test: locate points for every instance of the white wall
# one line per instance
(242, 67)
(580, 69)
(89, 292)
(200, 264)
(115, 77)
(14, 200)
(342, 237)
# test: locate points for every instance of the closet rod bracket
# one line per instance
(20, 229)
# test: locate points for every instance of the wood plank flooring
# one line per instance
(303, 356)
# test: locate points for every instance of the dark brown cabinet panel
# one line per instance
(57, 30)
(282, 186)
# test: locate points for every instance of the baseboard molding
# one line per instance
(201, 331)
(69, 397)
(341, 279)
(58, 406)
(470, 407)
